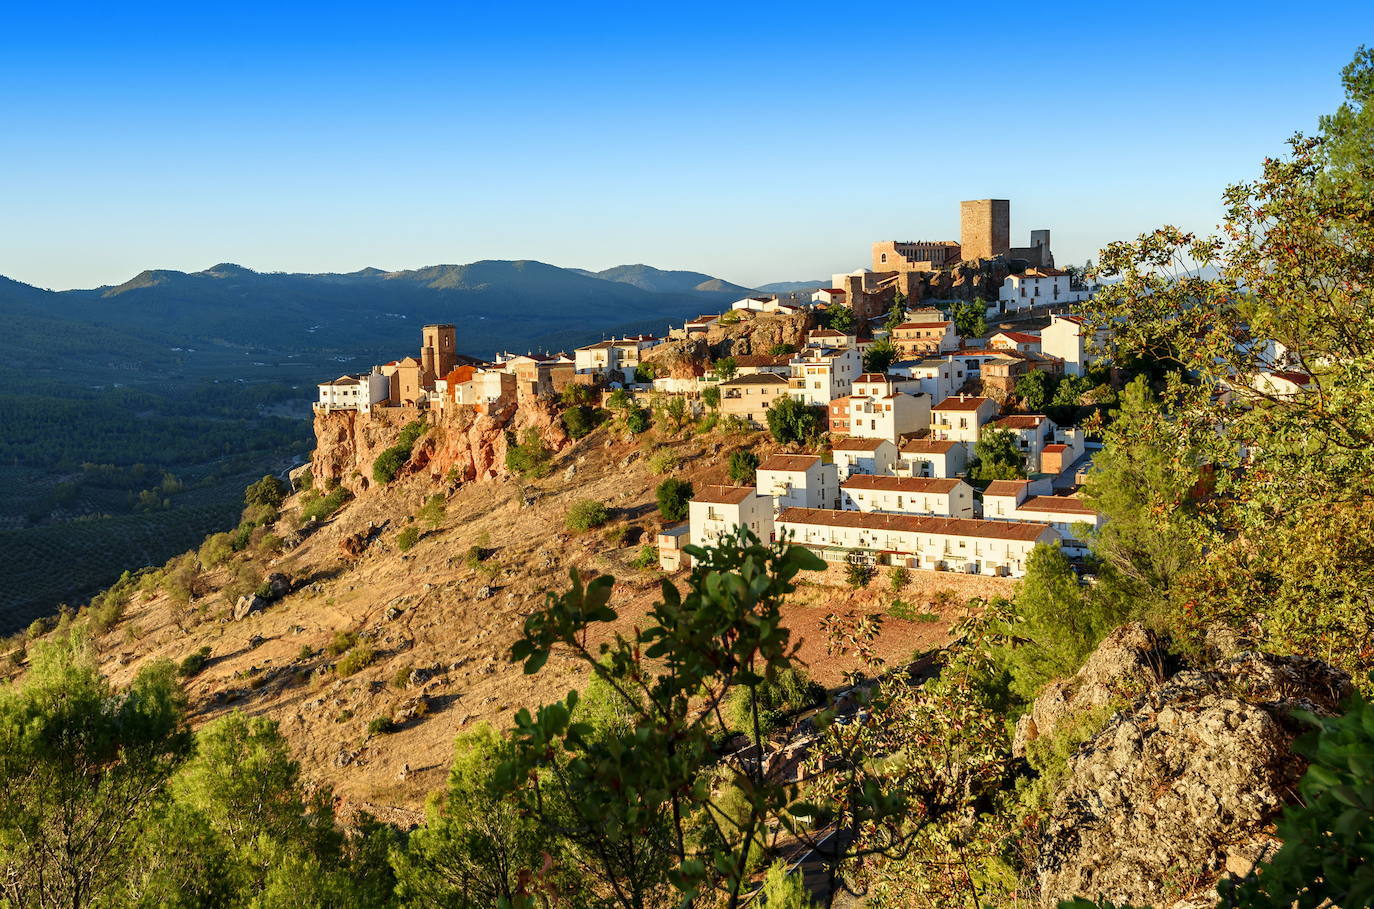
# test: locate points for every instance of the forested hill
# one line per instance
(159, 320)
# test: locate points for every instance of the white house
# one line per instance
(716, 511)
(961, 419)
(820, 375)
(1064, 338)
(908, 495)
(917, 541)
(888, 417)
(801, 481)
(830, 337)
(932, 458)
(1011, 500)
(752, 304)
(1019, 341)
(863, 456)
(598, 358)
(1034, 287)
(938, 377)
(485, 387)
(827, 296)
(358, 392)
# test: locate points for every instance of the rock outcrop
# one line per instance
(1183, 785)
(754, 333)
(463, 443)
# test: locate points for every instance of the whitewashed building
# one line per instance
(938, 377)
(888, 417)
(961, 418)
(1066, 338)
(357, 393)
(931, 458)
(820, 375)
(918, 541)
(950, 498)
(1034, 287)
(863, 456)
(717, 511)
(1031, 431)
(1012, 500)
(797, 481)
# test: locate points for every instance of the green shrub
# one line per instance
(194, 663)
(342, 642)
(305, 653)
(577, 394)
(433, 511)
(267, 491)
(901, 609)
(791, 691)
(672, 496)
(664, 460)
(859, 569)
(579, 421)
(647, 557)
(407, 538)
(401, 677)
(381, 726)
(530, 457)
(216, 550)
(325, 506)
(357, 659)
(743, 464)
(790, 420)
(306, 479)
(778, 350)
(390, 461)
(637, 420)
(586, 514)
(898, 577)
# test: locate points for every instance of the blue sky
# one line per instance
(754, 141)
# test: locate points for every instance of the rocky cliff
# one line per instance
(462, 445)
(754, 333)
(1182, 785)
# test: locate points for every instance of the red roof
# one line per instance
(1020, 337)
(936, 485)
(1005, 488)
(1297, 378)
(970, 402)
(723, 495)
(789, 462)
(928, 446)
(1019, 421)
(858, 444)
(1066, 504)
(1055, 449)
(874, 377)
(922, 325)
(831, 290)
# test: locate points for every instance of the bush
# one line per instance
(637, 420)
(859, 569)
(579, 421)
(647, 557)
(529, 458)
(901, 609)
(357, 659)
(194, 663)
(343, 642)
(898, 577)
(672, 496)
(267, 491)
(306, 479)
(577, 394)
(743, 463)
(216, 550)
(401, 677)
(586, 514)
(791, 691)
(778, 350)
(789, 420)
(325, 506)
(390, 461)
(381, 726)
(710, 396)
(663, 461)
(432, 512)
(406, 539)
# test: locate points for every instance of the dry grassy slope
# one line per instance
(445, 625)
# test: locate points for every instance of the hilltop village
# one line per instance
(918, 369)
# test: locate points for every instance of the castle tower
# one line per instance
(438, 351)
(984, 228)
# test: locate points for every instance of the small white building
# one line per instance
(1032, 433)
(829, 337)
(753, 304)
(828, 296)
(917, 541)
(1019, 341)
(888, 417)
(863, 456)
(822, 374)
(1034, 287)
(358, 393)
(1012, 500)
(1065, 338)
(597, 359)
(938, 377)
(717, 511)
(961, 418)
(797, 481)
(948, 498)
(932, 458)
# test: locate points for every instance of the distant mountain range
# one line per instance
(228, 320)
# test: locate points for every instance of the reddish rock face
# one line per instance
(470, 443)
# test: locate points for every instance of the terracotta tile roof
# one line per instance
(599, 345)
(757, 378)
(723, 495)
(1055, 448)
(1297, 378)
(1020, 337)
(1066, 504)
(935, 485)
(825, 333)
(755, 360)
(831, 290)
(1005, 488)
(874, 377)
(960, 527)
(969, 402)
(928, 446)
(922, 325)
(858, 444)
(1019, 421)
(344, 380)
(1077, 320)
(789, 462)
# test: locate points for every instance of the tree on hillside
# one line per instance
(839, 318)
(897, 314)
(789, 420)
(724, 369)
(267, 491)
(710, 396)
(969, 318)
(1285, 285)
(743, 464)
(672, 496)
(1036, 390)
(997, 457)
(85, 767)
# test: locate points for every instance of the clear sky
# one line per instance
(754, 141)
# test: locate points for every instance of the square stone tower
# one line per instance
(438, 351)
(984, 228)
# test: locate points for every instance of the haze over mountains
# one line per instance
(162, 321)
